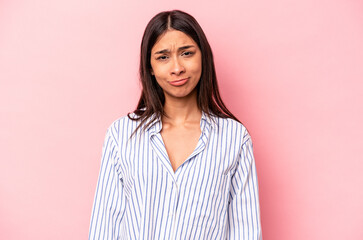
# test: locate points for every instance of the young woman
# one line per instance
(180, 166)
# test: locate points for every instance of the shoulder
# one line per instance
(232, 128)
(123, 127)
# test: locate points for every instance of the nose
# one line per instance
(177, 67)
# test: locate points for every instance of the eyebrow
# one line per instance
(179, 49)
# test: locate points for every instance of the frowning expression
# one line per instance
(176, 63)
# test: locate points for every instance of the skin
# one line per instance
(176, 56)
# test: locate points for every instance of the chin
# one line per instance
(183, 94)
(178, 95)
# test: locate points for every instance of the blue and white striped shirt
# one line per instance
(212, 195)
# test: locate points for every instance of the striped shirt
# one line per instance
(212, 195)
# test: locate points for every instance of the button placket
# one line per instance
(175, 192)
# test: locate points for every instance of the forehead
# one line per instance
(171, 39)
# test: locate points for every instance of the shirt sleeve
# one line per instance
(244, 209)
(109, 202)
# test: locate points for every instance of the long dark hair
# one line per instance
(152, 97)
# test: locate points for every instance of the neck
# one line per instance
(181, 110)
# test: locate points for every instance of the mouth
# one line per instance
(179, 82)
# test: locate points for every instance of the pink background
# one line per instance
(290, 70)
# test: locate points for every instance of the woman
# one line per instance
(181, 165)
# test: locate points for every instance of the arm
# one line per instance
(109, 202)
(244, 209)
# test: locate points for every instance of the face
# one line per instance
(176, 63)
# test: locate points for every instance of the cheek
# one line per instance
(159, 71)
(195, 67)
(160, 77)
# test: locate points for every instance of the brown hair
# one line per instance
(152, 98)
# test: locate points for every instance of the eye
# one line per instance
(162, 57)
(187, 53)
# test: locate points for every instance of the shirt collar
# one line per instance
(210, 120)
(154, 125)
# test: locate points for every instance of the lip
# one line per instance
(179, 82)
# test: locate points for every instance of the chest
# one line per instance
(180, 143)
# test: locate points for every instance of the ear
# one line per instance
(152, 71)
